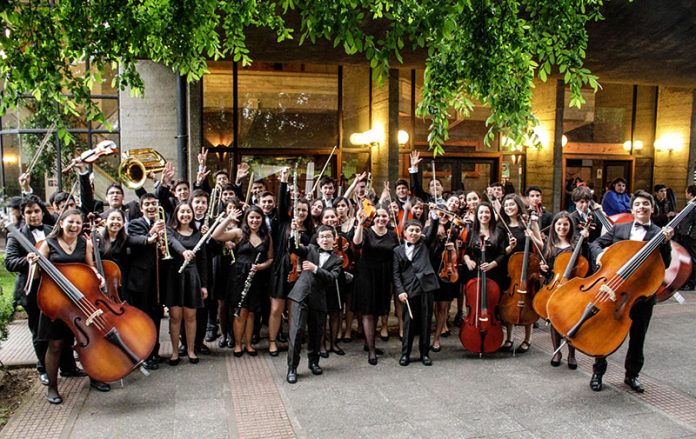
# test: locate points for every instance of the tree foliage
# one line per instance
(485, 50)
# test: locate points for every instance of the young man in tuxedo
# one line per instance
(641, 229)
(320, 269)
(147, 269)
(16, 262)
(415, 281)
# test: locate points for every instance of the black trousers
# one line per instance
(301, 316)
(640, 314)
(422, 308)
(147, 302)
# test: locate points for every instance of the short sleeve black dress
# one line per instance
(57, 330)
(372, 285)
(246, 254)
(185, 289)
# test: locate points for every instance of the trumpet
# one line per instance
(136, 164)
(164, 243)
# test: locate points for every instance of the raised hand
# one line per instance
(202, 158)
(415, 158)
(242, 171)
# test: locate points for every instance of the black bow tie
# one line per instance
(409, 245)
(639, 225)
(328, 252)
(39, 227)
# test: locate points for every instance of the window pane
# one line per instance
(288, 106)
(605, 117)
(267, 167)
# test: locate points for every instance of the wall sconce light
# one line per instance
(403, 137)
(668, 142)
(637, 145)
(371, 137)
(10, 159)
(564, 141)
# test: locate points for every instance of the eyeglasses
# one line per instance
(327, 237)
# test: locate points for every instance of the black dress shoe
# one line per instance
(338, 351)
(255, 339)
(194, 360)
(174, 361)
(211, 336)
(273, 353)
(596, 382)
(324, 354)
(43, 378)
(372, 361)
(251, 353)
(634, 383)
(238, 354)
(404, 360)
(315, 368)
(222, 343)
(446, 333)
(100, 386)
(458, 319)
(435, 348)
(292, 375)
(182, 350)
(203, 350)
(426, 360)
(77, 372)
(151, 365)
(282, 338)
(230, 343)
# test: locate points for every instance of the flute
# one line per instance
(247, 287)
(203, 240)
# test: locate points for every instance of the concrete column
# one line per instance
(539, 161)
(672, 138)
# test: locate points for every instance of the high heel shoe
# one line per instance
(372, 360)
(238, 353)
(252, 353)
(194, 360)
(174, 361)
(556, 360)
(572, 363)
(270, 352)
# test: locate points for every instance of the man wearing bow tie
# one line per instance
(320, 268)
(415, 281)
(641, 229)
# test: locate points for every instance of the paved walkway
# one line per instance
(459, 396)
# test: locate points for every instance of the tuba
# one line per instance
(136, 164)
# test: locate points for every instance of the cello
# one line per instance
(523, 268)
(566, 266)
(593, 313)
(112, 339)
(481, 331)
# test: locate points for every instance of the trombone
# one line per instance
(136, 164)
(164, 243)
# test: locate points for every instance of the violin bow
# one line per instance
(321, 174)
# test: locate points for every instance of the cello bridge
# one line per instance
(606, 289)
(522, 291)
(93, 316)
(483, 319)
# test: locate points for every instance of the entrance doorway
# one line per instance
(595, 172)
(460, 173)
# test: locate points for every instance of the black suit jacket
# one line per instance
(16, 262)
(143, 258)
(622, 232)
(416, 276)
(311, 287)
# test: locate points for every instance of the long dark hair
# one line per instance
(57, 231)
(308, 222)
(520, 206)
(174, 220)
(553, 236)
(476, 226)
(121, 237)
(263, 229)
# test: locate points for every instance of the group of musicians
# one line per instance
(226, 260)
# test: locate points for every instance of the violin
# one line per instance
(339, 245)
(295, 268)
(103, 148)
(593, 313)
(523, 268)
(566, 266)
(449, 271)
(112, 339)
(481, 331)
(370, 212)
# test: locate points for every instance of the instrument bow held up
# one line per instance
(593, 313)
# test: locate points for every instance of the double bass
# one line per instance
(523, 268)
(566, 266)
(112, 339)
(481, 331)
(593, 313)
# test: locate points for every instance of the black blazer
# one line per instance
(311, 287)
(417, 276)
(622, 232)
(143, 256)
(16, 262)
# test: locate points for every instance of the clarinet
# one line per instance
(204, 239)
(247, 287)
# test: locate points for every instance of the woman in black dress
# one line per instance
(253, 251)
(187, 290)
(372, 289)
(224, 266)
(63, 245)
(280, 282)
(113, 245)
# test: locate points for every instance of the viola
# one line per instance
(339, 246)
(112, 339)
(370, 212)
(295, 268)
(593, 313)
(566, 266)
(481, 331)
(523, 268)
(449, 271)
(103, 148)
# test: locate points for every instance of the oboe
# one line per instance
(247, 287)
(203, 239)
